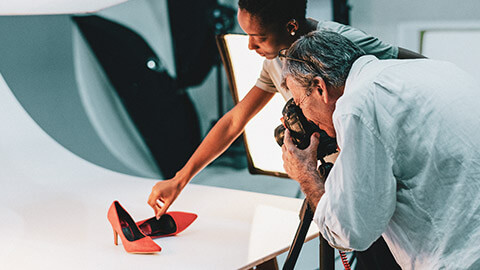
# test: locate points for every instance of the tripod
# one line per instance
(326, 253)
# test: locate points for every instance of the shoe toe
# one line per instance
(182, 220)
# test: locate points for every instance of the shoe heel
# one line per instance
(133, 240)
(115, 238)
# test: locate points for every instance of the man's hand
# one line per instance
(297, 162)
(163, 195)
(301, 165)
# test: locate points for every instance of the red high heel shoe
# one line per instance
(171, 223)
(134, 241)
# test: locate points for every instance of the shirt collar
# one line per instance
(357, 67)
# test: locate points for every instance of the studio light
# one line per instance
(243, 67)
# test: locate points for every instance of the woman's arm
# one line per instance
(220, 137)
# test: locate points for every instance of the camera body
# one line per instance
(301, 130)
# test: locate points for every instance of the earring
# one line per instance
(292, 33)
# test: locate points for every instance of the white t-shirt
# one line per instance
(270, 79)
(409, 164)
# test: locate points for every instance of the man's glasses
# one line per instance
(282, 55)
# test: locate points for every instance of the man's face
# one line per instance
(262, 40)
(314, 106)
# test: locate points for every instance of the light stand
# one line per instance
(223, 22)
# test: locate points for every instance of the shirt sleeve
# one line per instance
(360, 192)
(265, 82)
(370, 44)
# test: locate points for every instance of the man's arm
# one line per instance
(355, 204)
(301, 165)
(360, 192)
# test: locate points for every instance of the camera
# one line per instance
(301, 130)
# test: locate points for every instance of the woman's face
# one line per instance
(263, 41)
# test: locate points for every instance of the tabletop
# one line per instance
(54, 207)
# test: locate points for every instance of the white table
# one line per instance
(53, 208)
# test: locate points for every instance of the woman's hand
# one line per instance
(163, 195)
(227, 129)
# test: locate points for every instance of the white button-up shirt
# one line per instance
(409, 164)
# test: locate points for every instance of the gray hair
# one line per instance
(328, 54)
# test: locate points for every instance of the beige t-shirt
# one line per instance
(270, 79)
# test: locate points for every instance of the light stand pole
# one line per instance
(223, 21)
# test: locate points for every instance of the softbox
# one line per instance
(163, 115)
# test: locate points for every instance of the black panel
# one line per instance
(341, 11)
(164, 116)
(193, 35)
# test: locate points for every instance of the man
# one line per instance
(409, 162)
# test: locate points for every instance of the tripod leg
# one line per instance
(327, 256)
(306, 216)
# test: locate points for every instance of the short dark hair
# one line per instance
(273, 14)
